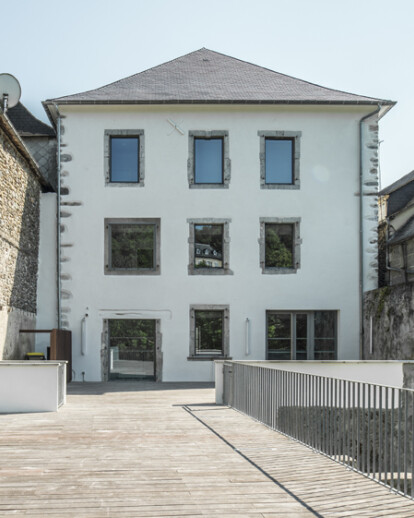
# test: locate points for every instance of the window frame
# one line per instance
(124, 133)
(297, 241)
(295, 137)
(109, 224)
(193, 135)
(310, 331)
(225, 270)
(226, 332)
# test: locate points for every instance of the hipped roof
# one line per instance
(209, 77)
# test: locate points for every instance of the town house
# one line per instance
(210, 208)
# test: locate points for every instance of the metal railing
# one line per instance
(366, 427)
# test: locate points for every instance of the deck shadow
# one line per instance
(114, 386)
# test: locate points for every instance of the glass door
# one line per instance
(287, 336)
(301, 335)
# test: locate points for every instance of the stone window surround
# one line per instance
(297, 241)
(107, 156)
(226, 331)
(292, 135)
(132, 221)
(226, 247)
(224, 134)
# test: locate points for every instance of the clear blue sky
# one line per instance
(59, 47)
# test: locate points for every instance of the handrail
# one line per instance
(365, 426)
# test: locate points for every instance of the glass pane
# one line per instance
(324, 349)
(209, 332)
(279, 161)
(278, 336)
(131, 348)
(325, 323)
(278, 351)
(132, 246)
(279, 245)
(124, 159)
(208, 246)
(301, 336)
(208, 160)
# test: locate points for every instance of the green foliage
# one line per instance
(132, 334)
(132, 246)
(201, 264)
(278, 249)
(382, 296)
(209, 331)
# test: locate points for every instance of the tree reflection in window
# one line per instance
(132, 246)
(279, 238)
(279, 336)
(325, 335)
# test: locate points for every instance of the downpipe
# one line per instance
(58, 219)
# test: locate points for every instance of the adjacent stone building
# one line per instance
(21, 184)
(39, 138)
(389, 311)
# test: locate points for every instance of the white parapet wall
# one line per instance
(391, 373)
(32, 386)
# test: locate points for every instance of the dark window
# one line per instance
(325, 335)
(279, 155)
(278, 336)
(301, 335)
(208, 244)
(124, 159)
(209, 332)
(279, 245)
(132, 246)
(208, 160)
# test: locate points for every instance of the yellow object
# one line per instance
(35, 356)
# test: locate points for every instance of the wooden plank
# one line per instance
(129, 448)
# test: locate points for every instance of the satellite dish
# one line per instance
(10, 91)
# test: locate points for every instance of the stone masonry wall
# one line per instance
(389, 323)
(19, 236)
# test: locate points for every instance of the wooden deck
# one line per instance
(140, 449)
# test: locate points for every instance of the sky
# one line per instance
(60, 47)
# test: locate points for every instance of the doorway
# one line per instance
(132, 345)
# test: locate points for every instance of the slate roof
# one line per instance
(26, 124)
(205, 76)
(398, 184)
(403, 233)
(400, 194)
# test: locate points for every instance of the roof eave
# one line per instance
(50, 104)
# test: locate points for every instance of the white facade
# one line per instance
(327, 204)
(46, 283)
